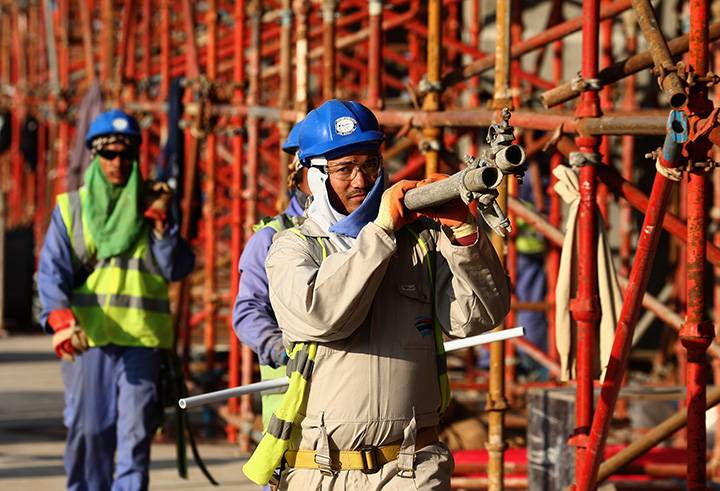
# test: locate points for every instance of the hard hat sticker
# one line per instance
(119, 124)
(345, 125)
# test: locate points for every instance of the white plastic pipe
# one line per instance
(224, 394)
(488, 337)
(282, 383)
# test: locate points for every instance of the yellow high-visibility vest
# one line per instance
(124, 299)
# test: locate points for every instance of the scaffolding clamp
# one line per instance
(581, 159)
(662, 71)
(429, 145)
(710, 79)
(425, 86)
(581, 84)
(506, 158)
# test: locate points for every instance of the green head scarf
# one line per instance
(112, 212)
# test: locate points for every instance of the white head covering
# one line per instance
(322, 212)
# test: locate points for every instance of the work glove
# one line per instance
(393, 215)
(157, 198)
(69, 339)
(454, 214)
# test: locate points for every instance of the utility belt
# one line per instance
(368, 459)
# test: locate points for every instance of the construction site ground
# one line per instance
(32, 434)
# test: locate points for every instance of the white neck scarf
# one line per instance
(322, 212)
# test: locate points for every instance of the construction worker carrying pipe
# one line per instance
(364, 291)
(254, 321)
(109, 253)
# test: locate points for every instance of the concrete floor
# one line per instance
(32, 434)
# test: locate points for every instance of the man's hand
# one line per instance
(393, 215)
(157, 198)
(454, 214)
(69, 339)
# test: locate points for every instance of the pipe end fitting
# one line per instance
(509, 159)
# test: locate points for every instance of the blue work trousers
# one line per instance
(111, 404)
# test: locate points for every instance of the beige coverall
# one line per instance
(375, 371)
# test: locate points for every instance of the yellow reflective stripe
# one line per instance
(298, 233)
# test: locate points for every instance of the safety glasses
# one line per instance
(347, 171)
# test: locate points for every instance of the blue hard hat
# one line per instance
(292, 142)
(337, 128)
(113, 122)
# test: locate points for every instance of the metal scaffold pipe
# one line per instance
(237, 353)
(479, 180)
(554, 235)
(497, 402)
(285, 98)
(698, 331)
(652, 438)
(639, 276)
(624, 68)
(210, 245)
(302, 59)
(431, 103)
(669, 80)
(552, 34)
(328, 18)
(375, 46)
(584, 306)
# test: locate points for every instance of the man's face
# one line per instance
(116, 161)
(351, 177)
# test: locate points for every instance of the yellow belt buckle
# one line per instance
(369, 458)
